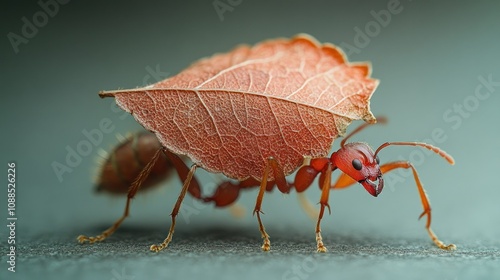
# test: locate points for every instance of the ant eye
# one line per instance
(377, 160)
(356, 163)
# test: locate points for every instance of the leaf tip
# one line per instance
(370, 118)
(103, 94)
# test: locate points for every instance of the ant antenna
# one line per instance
(382, 120)
(420, 144)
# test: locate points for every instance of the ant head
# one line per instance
(359, 162)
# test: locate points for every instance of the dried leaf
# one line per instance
(285, 98)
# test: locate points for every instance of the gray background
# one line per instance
(429, 57)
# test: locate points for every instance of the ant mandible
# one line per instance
(360, 164)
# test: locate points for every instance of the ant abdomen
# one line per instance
(124, 163)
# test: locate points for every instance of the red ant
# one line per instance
(356, 160)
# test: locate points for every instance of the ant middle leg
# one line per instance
(280, 180)
(175, 211)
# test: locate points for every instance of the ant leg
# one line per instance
(283, 186)
(324, 203)
(266, 246)
(237, 210)
(131, 193)
(183, 171)
(307, 206)
(175, 211)
(343, 181)
(423, 196)
(279, 177)
(380, 119)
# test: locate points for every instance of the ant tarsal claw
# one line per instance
(322, 249)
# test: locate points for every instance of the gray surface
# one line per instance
(429, 59)
(229, 252)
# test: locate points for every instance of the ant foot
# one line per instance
(266, 246)
(321, 249)
(82, 239)
(450, 247)
(157, 248)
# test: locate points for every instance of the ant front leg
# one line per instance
(304, 178)
(423, 196)
(345, 181)
(325, 191)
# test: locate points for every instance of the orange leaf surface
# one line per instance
(283, 98)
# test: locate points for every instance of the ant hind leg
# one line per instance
(134, 188)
